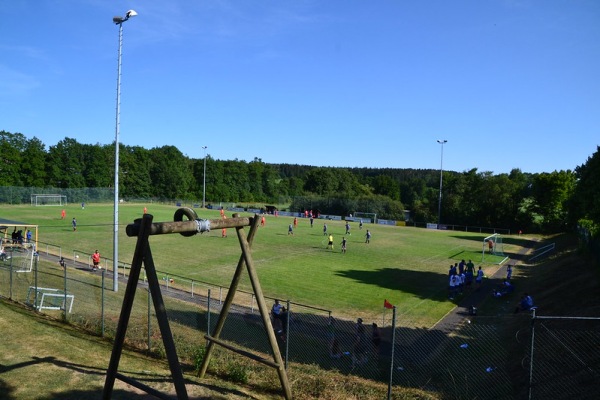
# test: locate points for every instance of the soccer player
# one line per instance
(368, 236)
(343, 245)
(330, 244)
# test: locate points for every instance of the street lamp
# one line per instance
(441, 170)
(118, 21)
(204, 179)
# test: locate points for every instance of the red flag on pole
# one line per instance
(387, 304)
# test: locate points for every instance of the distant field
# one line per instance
(406, 266)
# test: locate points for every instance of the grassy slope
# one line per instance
(57, 361)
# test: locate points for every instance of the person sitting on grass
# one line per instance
(525, 304)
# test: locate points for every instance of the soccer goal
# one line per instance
(365, 216)
(21, 257)
(48, 200)
(493, 249)
(49, 299)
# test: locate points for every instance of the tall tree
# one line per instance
(34, 163)
(171, 173)
(11, 146)
(66, 163)
(586, 199)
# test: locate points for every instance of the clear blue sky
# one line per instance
(509, 83)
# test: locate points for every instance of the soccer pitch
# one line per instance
(406, 266)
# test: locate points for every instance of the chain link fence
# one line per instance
(515, 356)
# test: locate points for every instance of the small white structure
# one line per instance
(49, 299)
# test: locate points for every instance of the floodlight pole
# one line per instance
(442, 142)
(118, 21)
(204, 179)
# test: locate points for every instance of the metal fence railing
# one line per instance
(485, 357)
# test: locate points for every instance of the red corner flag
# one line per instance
(387, 304)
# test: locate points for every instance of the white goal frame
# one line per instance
(22, 256)
(365, 216)
(48, 294)
(497, 247)
(51, 200)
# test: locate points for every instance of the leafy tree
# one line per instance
(171, 173)
(551, 194)
(34, 164)
(134, 171)
(585, 203)
(65, 164)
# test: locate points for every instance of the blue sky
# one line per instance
(509, 83)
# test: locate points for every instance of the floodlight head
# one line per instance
(119, 20)
(442, 141)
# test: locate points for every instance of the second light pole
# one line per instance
(442, 142)
(204, 179)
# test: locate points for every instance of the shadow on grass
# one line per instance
(145, 378)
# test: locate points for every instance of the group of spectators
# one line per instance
(460, 277)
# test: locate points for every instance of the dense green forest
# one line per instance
(542, 202)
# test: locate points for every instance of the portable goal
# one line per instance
(366, 217)
(20, 257)
(49, 299)
(493, 245)
(48, 200)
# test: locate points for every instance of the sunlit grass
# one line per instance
(406, 266)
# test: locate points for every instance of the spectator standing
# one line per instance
(479, 278)
(376, 338)
(276, 310)
(508, 272)
(95, 260)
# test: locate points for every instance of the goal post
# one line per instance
(493, 248)
(365, 217)
(48, 200)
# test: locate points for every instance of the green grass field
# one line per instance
(406, 266)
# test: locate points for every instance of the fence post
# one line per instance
(149, 323)
(208, 313)
(102, 327)
(65, 292)
(531, 354)
(390, 382)
(10, 291)
(287, 335)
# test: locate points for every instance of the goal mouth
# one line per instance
(493, 249)
(48, 200)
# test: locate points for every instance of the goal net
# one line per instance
(48, 200)
(21, 257)
(493, 249)
(365, 217)
(49, 299)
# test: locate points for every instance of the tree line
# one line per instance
(541, 202)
